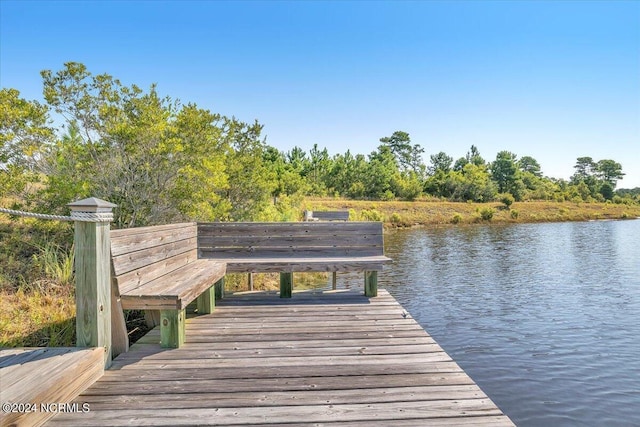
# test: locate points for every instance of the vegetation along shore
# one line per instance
(422, 213)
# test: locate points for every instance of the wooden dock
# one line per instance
(333, 358)
(34, 381)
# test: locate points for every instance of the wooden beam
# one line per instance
(172, 328)
(152, 318)
(206, 301)
(371, 283)
(119, 335)
(286, 285)
(93, 275)
(219, 288)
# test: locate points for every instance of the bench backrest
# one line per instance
(140, 255)
(290, 239)
(327, 215)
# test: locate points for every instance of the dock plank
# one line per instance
(44, 376)
(316, 359)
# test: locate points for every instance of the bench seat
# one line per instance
(296, 247)
(157, 269)
(175, 290)
(326, 215)
(161, 269)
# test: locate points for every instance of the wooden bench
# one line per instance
(296, 247)
(326, 215)
(157, 268)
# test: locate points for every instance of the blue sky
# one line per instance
(552, 80)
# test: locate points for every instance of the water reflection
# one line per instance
(545, 317)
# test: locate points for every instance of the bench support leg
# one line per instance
(219, 288)
(371, 283)
(206, 302)
(286, 285)
(334, 281)
(152, 318)
(251, 281)
(172, 328)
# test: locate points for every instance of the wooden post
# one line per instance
(251, 281)
(219, 288)
(93, 274)
(371, 283)
(286, 285)
(172, 328)
(334, 281)
(206, 302)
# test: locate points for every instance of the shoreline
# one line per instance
(401, 214)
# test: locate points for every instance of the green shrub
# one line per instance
(507, 199)
(457, 218)
(396, 218)
(487, 214)
(514, 214)
(387, 195)
(372, 215)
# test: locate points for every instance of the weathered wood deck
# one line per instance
(36, 378)
(330, 359)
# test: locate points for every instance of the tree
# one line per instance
(382, 174)
(68, 168)
(347, 175)
(318, 167)
(606, 190)
(530, 165)
(400, 146)
(585, 168)
(288, 169)
(409, 186)
(503, 171)
(24, 131)
(440, 162)
(159, 161)
(475, 185)
(251, 183)
(202, 154)
(473, 156)
(408, 157)
(610, 171)
(594, 175)
(297, 158)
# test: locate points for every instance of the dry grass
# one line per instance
(39, 316)
(428, 212)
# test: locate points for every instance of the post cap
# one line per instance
(92, 204)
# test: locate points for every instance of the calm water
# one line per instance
(544, 317)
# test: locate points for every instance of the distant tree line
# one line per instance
(162, 161)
